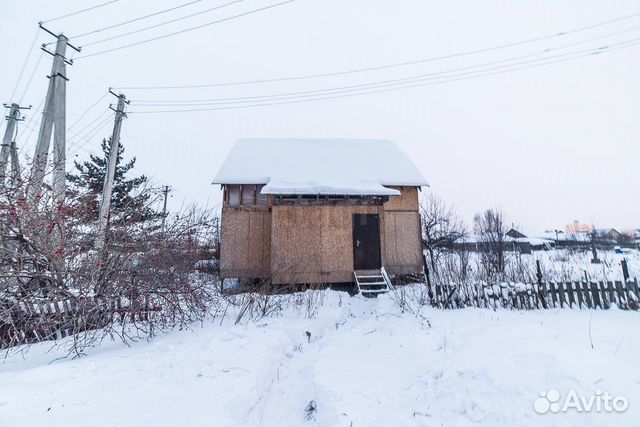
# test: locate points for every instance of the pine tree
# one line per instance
(130, 198)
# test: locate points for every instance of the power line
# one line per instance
(33, 73)
(87, 137)
(387, 66)
(210, 101)
(405, 85)
(91, 107)
(80, 11)
(24, 64)
(162, 23)
(130, 21)
(188, 29)
(100, 116)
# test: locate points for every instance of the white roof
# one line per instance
(350, 187)
(319, 166)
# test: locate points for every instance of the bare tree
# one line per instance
(440, 227)
(489, 227)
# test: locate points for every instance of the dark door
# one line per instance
(366, 242)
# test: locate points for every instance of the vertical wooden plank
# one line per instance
(632, 294)
(586, 293)
(595, 295)
(620, 294)
(552, 291)
(578, 290)
(611, 293)
(561, 293)
(571, 300)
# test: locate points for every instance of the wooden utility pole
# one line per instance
(9, 132)
(53, 121)
(165, 190)
(107, 189)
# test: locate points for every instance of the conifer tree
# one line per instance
(130, 197)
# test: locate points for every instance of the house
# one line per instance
(307, 211)
(609, 235)
(528, 240)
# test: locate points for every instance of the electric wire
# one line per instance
(382, 89)
(81, 11)
(117, 36)
(381, 83)
(91, 107)
(187, 29)
(24, 64)
(33, 73)
(80, 140)
(365, 85)
(387, 66)
(130, 21)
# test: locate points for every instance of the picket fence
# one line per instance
(543, 295)
(37, 320)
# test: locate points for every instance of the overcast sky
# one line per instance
(549, 144)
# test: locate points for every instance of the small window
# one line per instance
(248, 195)
(233, 194)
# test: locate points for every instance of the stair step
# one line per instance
(372, 282)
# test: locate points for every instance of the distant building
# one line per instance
(610, 235)
(578, 227)
(528, 240)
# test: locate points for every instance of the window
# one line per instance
(248, 193)
(233, 195)
(245, 195)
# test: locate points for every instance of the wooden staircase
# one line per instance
(372, 282)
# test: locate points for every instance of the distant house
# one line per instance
(527, 240)
(319, 211)
(609, 235)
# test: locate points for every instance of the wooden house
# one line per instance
(319, 212)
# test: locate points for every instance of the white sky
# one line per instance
(549, 144)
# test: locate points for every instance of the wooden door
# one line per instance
(366, 242)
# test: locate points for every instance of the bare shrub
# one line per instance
(54, 284)
(490, 229)
(441, 227)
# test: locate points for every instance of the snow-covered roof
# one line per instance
(320, 166)
(349, 187)
(533, 241)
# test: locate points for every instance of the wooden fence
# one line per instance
(578, 295)
(37, 320)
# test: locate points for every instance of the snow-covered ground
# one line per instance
(366, 364)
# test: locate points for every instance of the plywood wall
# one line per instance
(245, 248)
(406, 201)
(314, 244)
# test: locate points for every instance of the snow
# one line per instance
(289, 166)
(344, 187)
(367, 363)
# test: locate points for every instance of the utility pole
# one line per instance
(53, 121)
(165, 190)
(107, 189)
(9, 132)
(9, 150)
